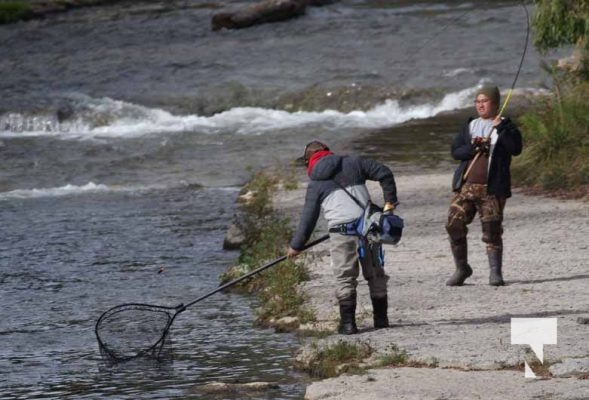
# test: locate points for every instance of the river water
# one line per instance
(127, 130)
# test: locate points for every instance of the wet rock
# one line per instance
(234, 237)
(221, 387)
(285, 324)
(247, 197)
(64, 112)
(305, 356)
(259, 13)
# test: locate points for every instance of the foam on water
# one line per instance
(66, 190)
(108, 118)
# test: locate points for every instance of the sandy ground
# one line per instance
(461, 337)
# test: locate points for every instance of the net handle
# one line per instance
(178, 309)
(182, 307)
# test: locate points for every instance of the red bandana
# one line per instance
(316, 157)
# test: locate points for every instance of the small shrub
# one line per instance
(556, 141)
(339, 358)
(13, 11)
(393, 357)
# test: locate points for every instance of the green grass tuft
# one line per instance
(13, 11)
(341, 357)
(393, 357)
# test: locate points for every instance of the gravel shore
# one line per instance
(458, 340)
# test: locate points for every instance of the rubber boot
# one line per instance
(379, 312)
(495, 266)
(463, 270)
(347, 323)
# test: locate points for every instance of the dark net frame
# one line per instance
(136, 330)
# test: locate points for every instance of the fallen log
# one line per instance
(320, 3)
(259, 13)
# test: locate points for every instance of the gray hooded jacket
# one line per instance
(323, 193)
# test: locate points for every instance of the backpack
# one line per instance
(374, 224)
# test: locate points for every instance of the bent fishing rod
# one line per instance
(521, 62)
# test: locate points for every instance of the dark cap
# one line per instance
(492, 92)
(312, 148)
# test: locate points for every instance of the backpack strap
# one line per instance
(362, 206)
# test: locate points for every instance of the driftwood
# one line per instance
(320, 3)
(259, 13)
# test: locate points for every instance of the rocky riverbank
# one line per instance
(457, 341)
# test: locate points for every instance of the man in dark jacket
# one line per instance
(334, 180)
(482, 183)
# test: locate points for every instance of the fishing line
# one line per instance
(436, 35)
(521, 63)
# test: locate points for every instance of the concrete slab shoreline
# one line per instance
(462, 336)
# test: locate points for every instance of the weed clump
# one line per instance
(393, 357)
(341, 357)
(266, 234)
(556, 142)
(12, 11)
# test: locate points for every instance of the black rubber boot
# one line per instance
(379, 312)
(463, 270)
(347, 323)
(495, 266)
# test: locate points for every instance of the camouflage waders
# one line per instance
(471, 199)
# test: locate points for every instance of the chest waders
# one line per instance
(371, 258)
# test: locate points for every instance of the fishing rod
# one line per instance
(521, 62)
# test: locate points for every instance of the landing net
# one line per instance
(130, 331)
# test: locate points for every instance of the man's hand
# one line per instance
(291, 253)
(388, 208)
(501, 124)
(481, 145)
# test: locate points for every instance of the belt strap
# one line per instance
(344, 229)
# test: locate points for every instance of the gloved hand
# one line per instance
(388, 208)
(481, 145)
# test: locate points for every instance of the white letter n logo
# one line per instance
(536, 332)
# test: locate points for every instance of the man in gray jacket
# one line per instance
(334, 180)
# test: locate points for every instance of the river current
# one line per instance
(126, 132)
